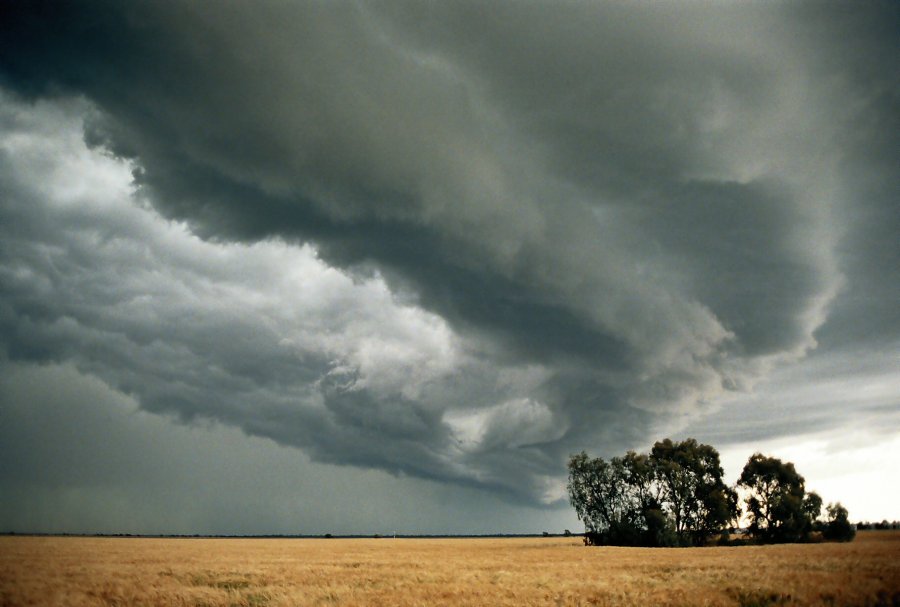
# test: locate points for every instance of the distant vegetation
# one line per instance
(675, 496)
(882, 526)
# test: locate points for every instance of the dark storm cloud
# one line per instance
(265, 337)
(630, 209)
(79, 457)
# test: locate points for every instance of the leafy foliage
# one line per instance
(673, 496)
(838, 528)
(691, 479)
(780, 509)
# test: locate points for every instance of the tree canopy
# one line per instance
(672, 496)
(779, 508)
(675, 496)
(838, 528)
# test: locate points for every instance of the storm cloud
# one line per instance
(455, 241)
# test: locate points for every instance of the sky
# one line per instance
(365, 268)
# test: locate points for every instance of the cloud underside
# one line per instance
(445, 242)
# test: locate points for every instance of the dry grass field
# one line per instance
(541, 571)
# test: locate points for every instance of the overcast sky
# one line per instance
(272, 267)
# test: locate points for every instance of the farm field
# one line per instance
(78, 572)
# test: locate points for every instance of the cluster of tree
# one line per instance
(672, 496)
(675, 496)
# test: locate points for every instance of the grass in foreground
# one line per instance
(542, 571)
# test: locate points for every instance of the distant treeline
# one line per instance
(675, 496)
(882, 526)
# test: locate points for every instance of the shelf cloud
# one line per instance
(456, 242)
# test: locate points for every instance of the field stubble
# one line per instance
(81, 572)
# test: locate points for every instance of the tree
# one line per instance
(812, 506)
(594, 492)
(689, 475)
(838, 528)
(651, 525)
(779, 508)
(673, 496)
(615, 500)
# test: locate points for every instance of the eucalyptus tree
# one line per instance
(780, 509)
(690, 477)
(673, 496)
(838, 528)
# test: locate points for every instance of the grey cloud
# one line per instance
(265, 337)
(367, 132)
(643, 202)
(78, 456)
(832, 395)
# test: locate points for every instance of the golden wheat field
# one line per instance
(537, 571)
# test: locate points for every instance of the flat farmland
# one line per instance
(76, 571)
